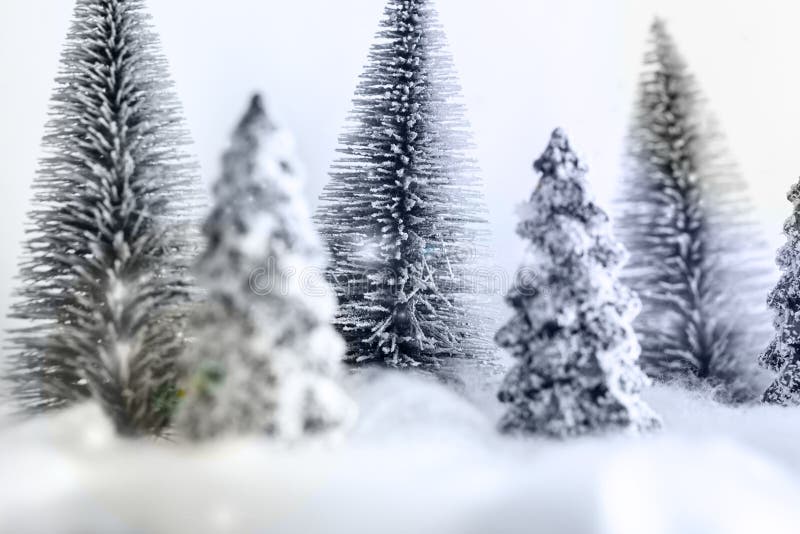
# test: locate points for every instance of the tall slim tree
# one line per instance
(696, 253)
(571, 334)
(783, 353)
(402, 214)
(264, 356)
(103, 274)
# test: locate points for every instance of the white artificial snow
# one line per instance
(423, 460)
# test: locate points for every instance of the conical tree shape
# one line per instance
(697, 256)
(783, 353)
(576, 370)
(264, 356)
(403, 215)
(103, 277)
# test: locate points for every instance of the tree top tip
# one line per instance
(257, 103)
(559, 138)
(658, 25)
(256, 115)
(557, 154)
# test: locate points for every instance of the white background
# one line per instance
(526, 66)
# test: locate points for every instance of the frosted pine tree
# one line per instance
(403, 215)
(576, 354)
(103, 278)
(685, 218)
(783, 353)
(264, 357)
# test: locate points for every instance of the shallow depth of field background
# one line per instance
(525, 65)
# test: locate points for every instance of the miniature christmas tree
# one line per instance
(783, 353)
(576, 370)
(403, 215)
(685, 218)
(104, 282)
(264, 357)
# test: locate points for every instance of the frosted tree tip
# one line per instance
(659, 26)
(257, 103)
(558, 154)
(256, 115)
(559, 139)
(257, 110)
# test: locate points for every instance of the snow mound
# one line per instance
(667, 486)
(422, 459)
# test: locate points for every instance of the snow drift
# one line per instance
(422, 459)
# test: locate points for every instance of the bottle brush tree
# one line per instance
(697, 258)
(403, 215)
(264, 357)
(103, 282)
(576, 369)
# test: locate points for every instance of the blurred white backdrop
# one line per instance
(526, 66)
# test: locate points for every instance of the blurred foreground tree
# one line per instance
(264, 357)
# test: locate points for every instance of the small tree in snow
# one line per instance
(264, 357)
(783, 353)
(576, 369)
(103, 274)
(697, 257)
(403, 215)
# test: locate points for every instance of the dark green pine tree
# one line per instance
(697, 258)
(103, 273)
(403, 214)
